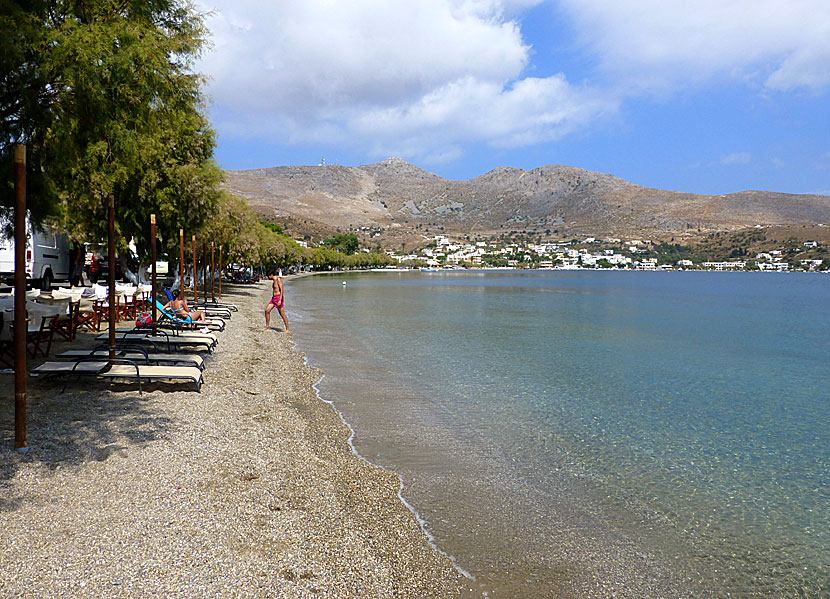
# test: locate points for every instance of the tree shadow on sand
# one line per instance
(86, 424)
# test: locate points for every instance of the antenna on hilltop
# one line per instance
(322, 161)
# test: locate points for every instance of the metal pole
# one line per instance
(195, 286)
(111, 276)
(20, 296)
(153, 258)
(212, 282)
(220, 272)
(181, 263)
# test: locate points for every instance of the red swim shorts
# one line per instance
(276, 301)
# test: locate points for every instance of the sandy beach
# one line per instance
(247, 489)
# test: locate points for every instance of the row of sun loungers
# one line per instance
(166, 351)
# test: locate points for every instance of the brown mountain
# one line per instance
(400, 199)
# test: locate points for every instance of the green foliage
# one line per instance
(246, 239)
(26, 102)
(120, 114)
(344, 242)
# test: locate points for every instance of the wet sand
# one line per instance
(247, 489)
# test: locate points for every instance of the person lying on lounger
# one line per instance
(180, 309)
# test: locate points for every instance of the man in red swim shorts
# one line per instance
(277, 301)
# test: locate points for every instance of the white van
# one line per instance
(47, 257)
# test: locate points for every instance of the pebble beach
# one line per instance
(247, 489)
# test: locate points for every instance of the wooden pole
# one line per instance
(181, 263)
(153, 258)
(220, 272)
(195, 285)
(20, 297)
(204, 261)
(212, 281)
(111, 312)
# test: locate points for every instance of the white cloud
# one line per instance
(658, 44)
(531, 111)
(736, 158)
(310, 57)
(408, 75)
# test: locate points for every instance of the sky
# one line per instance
(710, 96)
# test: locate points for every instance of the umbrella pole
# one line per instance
(153, 258)
(20, 297)
(181, 263)
(195, 285)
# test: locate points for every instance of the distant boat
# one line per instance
(427, 269)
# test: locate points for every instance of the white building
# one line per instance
(779, 266)
(725, 265)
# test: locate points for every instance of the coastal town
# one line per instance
(609, 253)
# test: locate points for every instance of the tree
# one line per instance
(344, 242)
(26, 102)
(235, 228)
(123, 119)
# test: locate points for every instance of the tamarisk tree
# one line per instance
(122, 117)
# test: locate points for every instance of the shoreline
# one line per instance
(249, 489)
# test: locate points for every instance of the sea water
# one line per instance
(592, 434)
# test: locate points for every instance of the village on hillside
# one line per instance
(609, 253)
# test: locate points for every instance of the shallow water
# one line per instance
(593, 434)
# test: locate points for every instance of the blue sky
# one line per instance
(711, 96)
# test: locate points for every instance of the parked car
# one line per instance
(96, 266)
(237, 273)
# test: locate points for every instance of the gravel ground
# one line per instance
(247, 489)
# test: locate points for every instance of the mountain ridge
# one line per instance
(396, 198)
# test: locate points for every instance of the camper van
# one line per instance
(47, 257)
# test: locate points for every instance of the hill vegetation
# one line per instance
(394, 203)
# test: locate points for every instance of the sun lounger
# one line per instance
(214, 312)
(121, 369)
(138, 355)
(214, 305)
(215, 324)
(164, 340)
(220, 305)
(209, 304)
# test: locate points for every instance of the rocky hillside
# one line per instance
(397, 199)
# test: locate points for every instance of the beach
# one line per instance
(247, 489)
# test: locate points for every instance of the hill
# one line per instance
(394, 200)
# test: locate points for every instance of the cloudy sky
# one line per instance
(711, 96)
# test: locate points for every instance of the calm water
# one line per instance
(593, 434)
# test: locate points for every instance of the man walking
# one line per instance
(277, 301)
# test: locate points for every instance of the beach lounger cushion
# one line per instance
(153, 358)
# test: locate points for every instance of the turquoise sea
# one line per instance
(592, 434)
